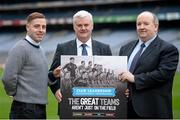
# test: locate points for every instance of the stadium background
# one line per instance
(114, 24)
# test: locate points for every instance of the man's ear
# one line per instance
(157, 27)
(73, 27)
(27, 27)
(92, 26)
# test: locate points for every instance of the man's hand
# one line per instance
(126, 76)
(127, 93)
(57, 72)
(58, 95)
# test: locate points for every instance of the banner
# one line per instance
(91, 89)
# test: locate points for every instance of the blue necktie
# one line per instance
(84, 51)
(136, 58)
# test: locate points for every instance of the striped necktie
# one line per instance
(136, 58)
(84, 51)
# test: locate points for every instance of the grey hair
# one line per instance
(82, 14)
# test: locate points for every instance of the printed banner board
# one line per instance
(91, 89)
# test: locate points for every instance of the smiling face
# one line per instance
(146, 26)
(36, 29)
(83, 27)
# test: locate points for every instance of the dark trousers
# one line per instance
(21, 110)
(131, 114)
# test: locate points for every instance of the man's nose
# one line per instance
(83, 27)
(141, 26)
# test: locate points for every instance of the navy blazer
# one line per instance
(152, 90)
(70, 48)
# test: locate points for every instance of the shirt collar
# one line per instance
(28, 38)
(88, 43)
(147, 43)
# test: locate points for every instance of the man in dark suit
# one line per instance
(150, 78)
(83, 44)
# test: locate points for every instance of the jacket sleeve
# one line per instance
(56, 62)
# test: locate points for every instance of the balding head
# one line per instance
(147, 25)
(150, 14)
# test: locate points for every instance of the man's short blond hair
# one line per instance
(35, 15)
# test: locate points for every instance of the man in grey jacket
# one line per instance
(26, 72)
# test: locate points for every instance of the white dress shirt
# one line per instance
(88, 47)
(136, 49)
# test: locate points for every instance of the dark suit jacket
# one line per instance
(70, 48)
(152, 90)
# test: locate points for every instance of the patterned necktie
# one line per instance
(84, 51)
(136, 58)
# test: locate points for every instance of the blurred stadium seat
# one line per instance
(114, 21)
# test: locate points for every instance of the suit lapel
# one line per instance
(131, 48)
(149, 49)
(95, 48)
(147, 53)
(73, 47)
